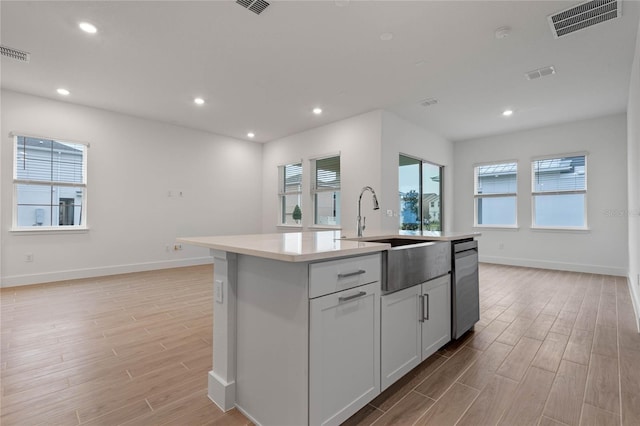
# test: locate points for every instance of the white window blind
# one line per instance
(327, 174)
(50, 179)
(290, 193)
(325, 189)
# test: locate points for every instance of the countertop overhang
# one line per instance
(312, 245)
(288, 247)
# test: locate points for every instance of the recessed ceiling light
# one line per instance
(317, 110)
(251, 135)
(88, 28)
(507, 112)
(62, 91)
(386, 36)
(198, 101)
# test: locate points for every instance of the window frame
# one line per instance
(421, 192)
(477, 196)
(535, 193)
(83, 226)
(315, 190)
(282, 193)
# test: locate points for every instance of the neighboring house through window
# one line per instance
(420, 190)
(325, 190)
(559, 191)
(495, 193)
(50, 183)
(290, 192)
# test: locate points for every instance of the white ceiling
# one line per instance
(265, 73)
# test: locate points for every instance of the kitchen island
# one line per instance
(296, 335)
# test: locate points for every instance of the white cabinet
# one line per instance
(303, 360)
(436, 310)
(416, 322)
(401, 334)
(344, 353)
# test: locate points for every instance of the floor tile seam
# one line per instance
(460, 374)
(461, 416)
(399, 401)
(92, 419)
(447, 359)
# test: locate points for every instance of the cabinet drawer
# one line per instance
(336, 275)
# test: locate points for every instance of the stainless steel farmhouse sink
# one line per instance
(409, 262)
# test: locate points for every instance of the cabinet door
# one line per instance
(436, 310)
(344, 353)
(400, 339)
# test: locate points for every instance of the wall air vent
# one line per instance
(16, 54)
(256, 6)
(428, 102)
(584, 15)
(540, 72)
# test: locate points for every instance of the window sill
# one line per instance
(289, 226)
(560, 229)
(498, 227)
(325, 227)
(41, 230)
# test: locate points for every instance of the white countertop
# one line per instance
(309, 246)
(288, 247)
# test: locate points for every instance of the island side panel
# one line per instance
(272, 341)
(222, 385)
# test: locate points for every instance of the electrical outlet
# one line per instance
(217, 291)
(28, 257)
(390, 213)
(177, 247)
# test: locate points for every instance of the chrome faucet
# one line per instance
(362, 221)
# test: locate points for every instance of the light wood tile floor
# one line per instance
(551, 348)
(131, 349)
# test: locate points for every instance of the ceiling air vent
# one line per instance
(584, 15)
(256, 6)
(16, 54)
(428, 102)
(540, 72)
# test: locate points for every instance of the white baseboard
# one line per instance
(28, 279)
(635, 299)
(562, 266)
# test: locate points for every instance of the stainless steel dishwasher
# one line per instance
(465, 294)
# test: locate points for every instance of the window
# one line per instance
(290, 191)
(495, 194)
(326, 191)
(559, 189)
(420, 186)
(50, 183)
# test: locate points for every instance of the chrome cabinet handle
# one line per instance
(421, 300)
(352, 274)
(353, 296)
(427, 297)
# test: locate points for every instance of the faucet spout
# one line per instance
(376, 206)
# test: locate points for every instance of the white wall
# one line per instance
(357, 139)
(132, 164)
(604, 249)
(633, 165)
(369, 145)
(400, 136)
